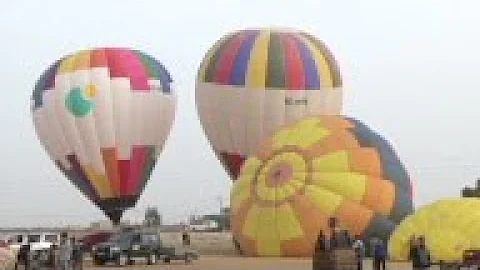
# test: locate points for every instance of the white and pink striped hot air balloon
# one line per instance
(103, 115)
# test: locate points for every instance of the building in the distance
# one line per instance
(212, 222)
(472, 191)
(152, 217)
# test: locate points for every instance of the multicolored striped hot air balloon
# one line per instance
(304, 174)
(103, 115)
(252, 82)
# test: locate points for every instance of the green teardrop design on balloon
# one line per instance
(77, 104)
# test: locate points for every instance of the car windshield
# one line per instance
(34, 238)
(51, 238)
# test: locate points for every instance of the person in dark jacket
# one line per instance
(380, 255)
(421, 255)
(52, 263)
(77, 254)
(23, 257)
(347, 239)
(412, 247)
(321, 244)
(321, 252)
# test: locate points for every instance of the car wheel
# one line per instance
(152, 259)
(166, 260)
(98, 262)
(122, 260)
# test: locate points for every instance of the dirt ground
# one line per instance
(240, 263)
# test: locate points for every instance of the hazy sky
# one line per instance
(410, 68)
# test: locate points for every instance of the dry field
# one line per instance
(240, 263)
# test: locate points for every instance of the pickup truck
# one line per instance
(124, 248)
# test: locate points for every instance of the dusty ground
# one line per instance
(240, 263)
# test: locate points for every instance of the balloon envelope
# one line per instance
(103, 115)
(252, 82)
(449, 226)
(310, 171)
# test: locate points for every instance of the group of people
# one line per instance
(378, 252)
(66, 255)
(419, 253)
(338, 239)
(341, 239)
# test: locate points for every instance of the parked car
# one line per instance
(37, 242)
(93, 239)
(124, 248)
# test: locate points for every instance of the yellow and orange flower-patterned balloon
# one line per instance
(317, 168)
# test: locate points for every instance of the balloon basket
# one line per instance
(338, 259)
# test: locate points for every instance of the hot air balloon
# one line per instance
(103, 116)
(450, 226)
(318, 168)
(252, 82)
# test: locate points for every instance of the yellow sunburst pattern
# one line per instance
(317, 168)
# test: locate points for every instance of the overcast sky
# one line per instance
(410, 68)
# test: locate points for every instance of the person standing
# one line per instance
(80, 254)
(34, 260)
(52, 256)
(76, 259)
(321, 244)
(321, 254)
(56, 251)
(412, 244)
(359, 248)
(347, 239)
(65, 251)
(380, 256)
(185, 238)
(334, 232)
(23, 257)
(421, 255)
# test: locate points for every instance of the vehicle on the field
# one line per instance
(95, 238)
(126, 247)
(36, 241)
